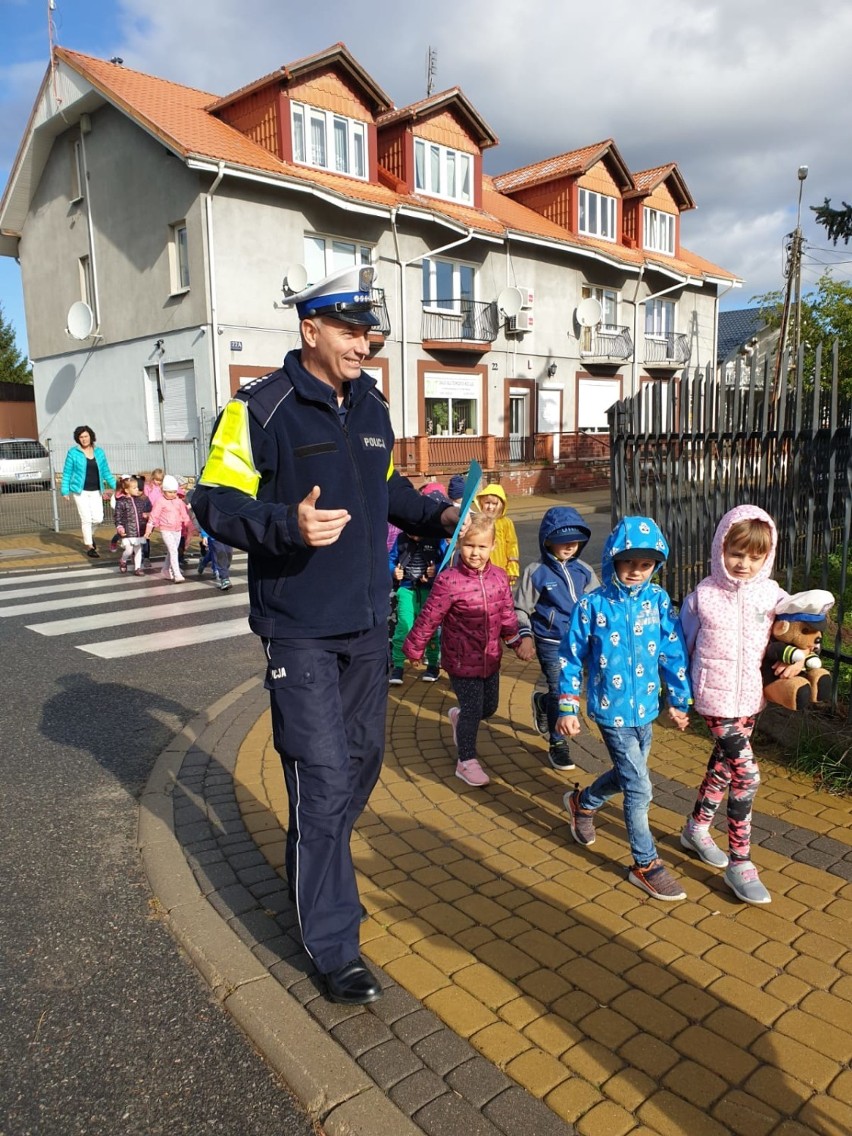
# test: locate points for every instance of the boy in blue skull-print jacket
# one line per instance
(627, 635)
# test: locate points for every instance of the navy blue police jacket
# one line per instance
(274, 441)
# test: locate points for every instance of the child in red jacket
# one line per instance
(473, 604)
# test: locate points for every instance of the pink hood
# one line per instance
(718, 572)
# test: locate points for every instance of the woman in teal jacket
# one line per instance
(86, 477)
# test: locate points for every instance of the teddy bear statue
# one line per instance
(797, 637)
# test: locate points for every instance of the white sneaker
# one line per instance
(743, 880)
(697, 839)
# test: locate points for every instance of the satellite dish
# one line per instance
(510, 300)
(80, 321)
(296, 277)
(589, 312)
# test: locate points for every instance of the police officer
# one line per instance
(300, 475)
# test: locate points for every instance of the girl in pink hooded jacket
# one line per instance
(473, 604)
(726, 623)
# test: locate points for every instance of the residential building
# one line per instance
(156, 226)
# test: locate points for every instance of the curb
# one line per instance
(321, 1075)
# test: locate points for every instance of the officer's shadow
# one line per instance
(121, 724)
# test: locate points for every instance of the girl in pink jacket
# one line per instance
(473, 604)
(169, 514)
(726, 623)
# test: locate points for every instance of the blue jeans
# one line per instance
(548, 658)
(628, 748)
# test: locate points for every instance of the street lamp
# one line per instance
(796, 262)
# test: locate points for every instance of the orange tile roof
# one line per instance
(562, 165)
(177, 115)
(649, 179)
(486, 136)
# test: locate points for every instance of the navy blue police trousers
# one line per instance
(329, 702)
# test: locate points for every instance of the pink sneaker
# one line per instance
(472, 773)
(453, 715)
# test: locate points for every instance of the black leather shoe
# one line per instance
(352, 984)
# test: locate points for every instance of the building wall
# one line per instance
(135, 191)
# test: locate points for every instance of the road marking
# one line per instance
(162, 611)
(131, 595)
(167, 640)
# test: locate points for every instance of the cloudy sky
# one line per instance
(739, 93)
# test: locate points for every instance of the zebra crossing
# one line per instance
(62, 603)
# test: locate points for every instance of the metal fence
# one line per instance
(685, 452)
(26, 508)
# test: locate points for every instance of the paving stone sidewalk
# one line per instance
(528, 986)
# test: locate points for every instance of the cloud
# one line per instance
(738, 94)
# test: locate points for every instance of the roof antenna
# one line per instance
(431, 68)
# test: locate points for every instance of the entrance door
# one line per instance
(519, 401)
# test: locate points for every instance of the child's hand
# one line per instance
(120, 530)
(430, 572)
(788, 670)
(398, 572)
(568, 725)
(525, 649)
(679, 717)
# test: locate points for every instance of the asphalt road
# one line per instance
(105, 1027)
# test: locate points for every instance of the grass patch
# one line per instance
(827, 759)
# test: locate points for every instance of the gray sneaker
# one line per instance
(698, 839)
(539, 712)
(582, 821)
(743, 880)
(657, 881)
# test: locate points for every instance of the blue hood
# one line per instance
(631, 532)
(561, 517)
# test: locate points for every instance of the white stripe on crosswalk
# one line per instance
(135, 593)
(167, 640)
(89, 583)
(161, 611)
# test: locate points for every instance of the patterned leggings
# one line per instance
(478, 698)
(732, 768)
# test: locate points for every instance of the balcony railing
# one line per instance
(615, 343)
(380, 309)
(670, 350)
(466, 321)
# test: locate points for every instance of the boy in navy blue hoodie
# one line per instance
(544, 600)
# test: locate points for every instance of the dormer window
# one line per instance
(597, 215)
(658, 234)
(442, 172)
(329, 141)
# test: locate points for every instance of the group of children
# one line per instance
(144, 502)
(624, 633)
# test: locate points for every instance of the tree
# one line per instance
(14, 368)
(826, 316)
(836, 222)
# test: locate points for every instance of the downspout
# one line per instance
(653, 296)
(403, 294)
(218, 394)
(715, 344)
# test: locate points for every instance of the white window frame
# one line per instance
(658, 231)
(660, 318)
(453, 390)
(597, 215)
(442, 172)
(329, 141)
(433, 300)
(180, 410)
(609, 299)
(334, 252)
(179, 258)
(87, 283)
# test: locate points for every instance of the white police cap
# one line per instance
(806, 607)
(344, 295)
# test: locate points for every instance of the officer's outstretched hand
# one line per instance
(320, 527)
